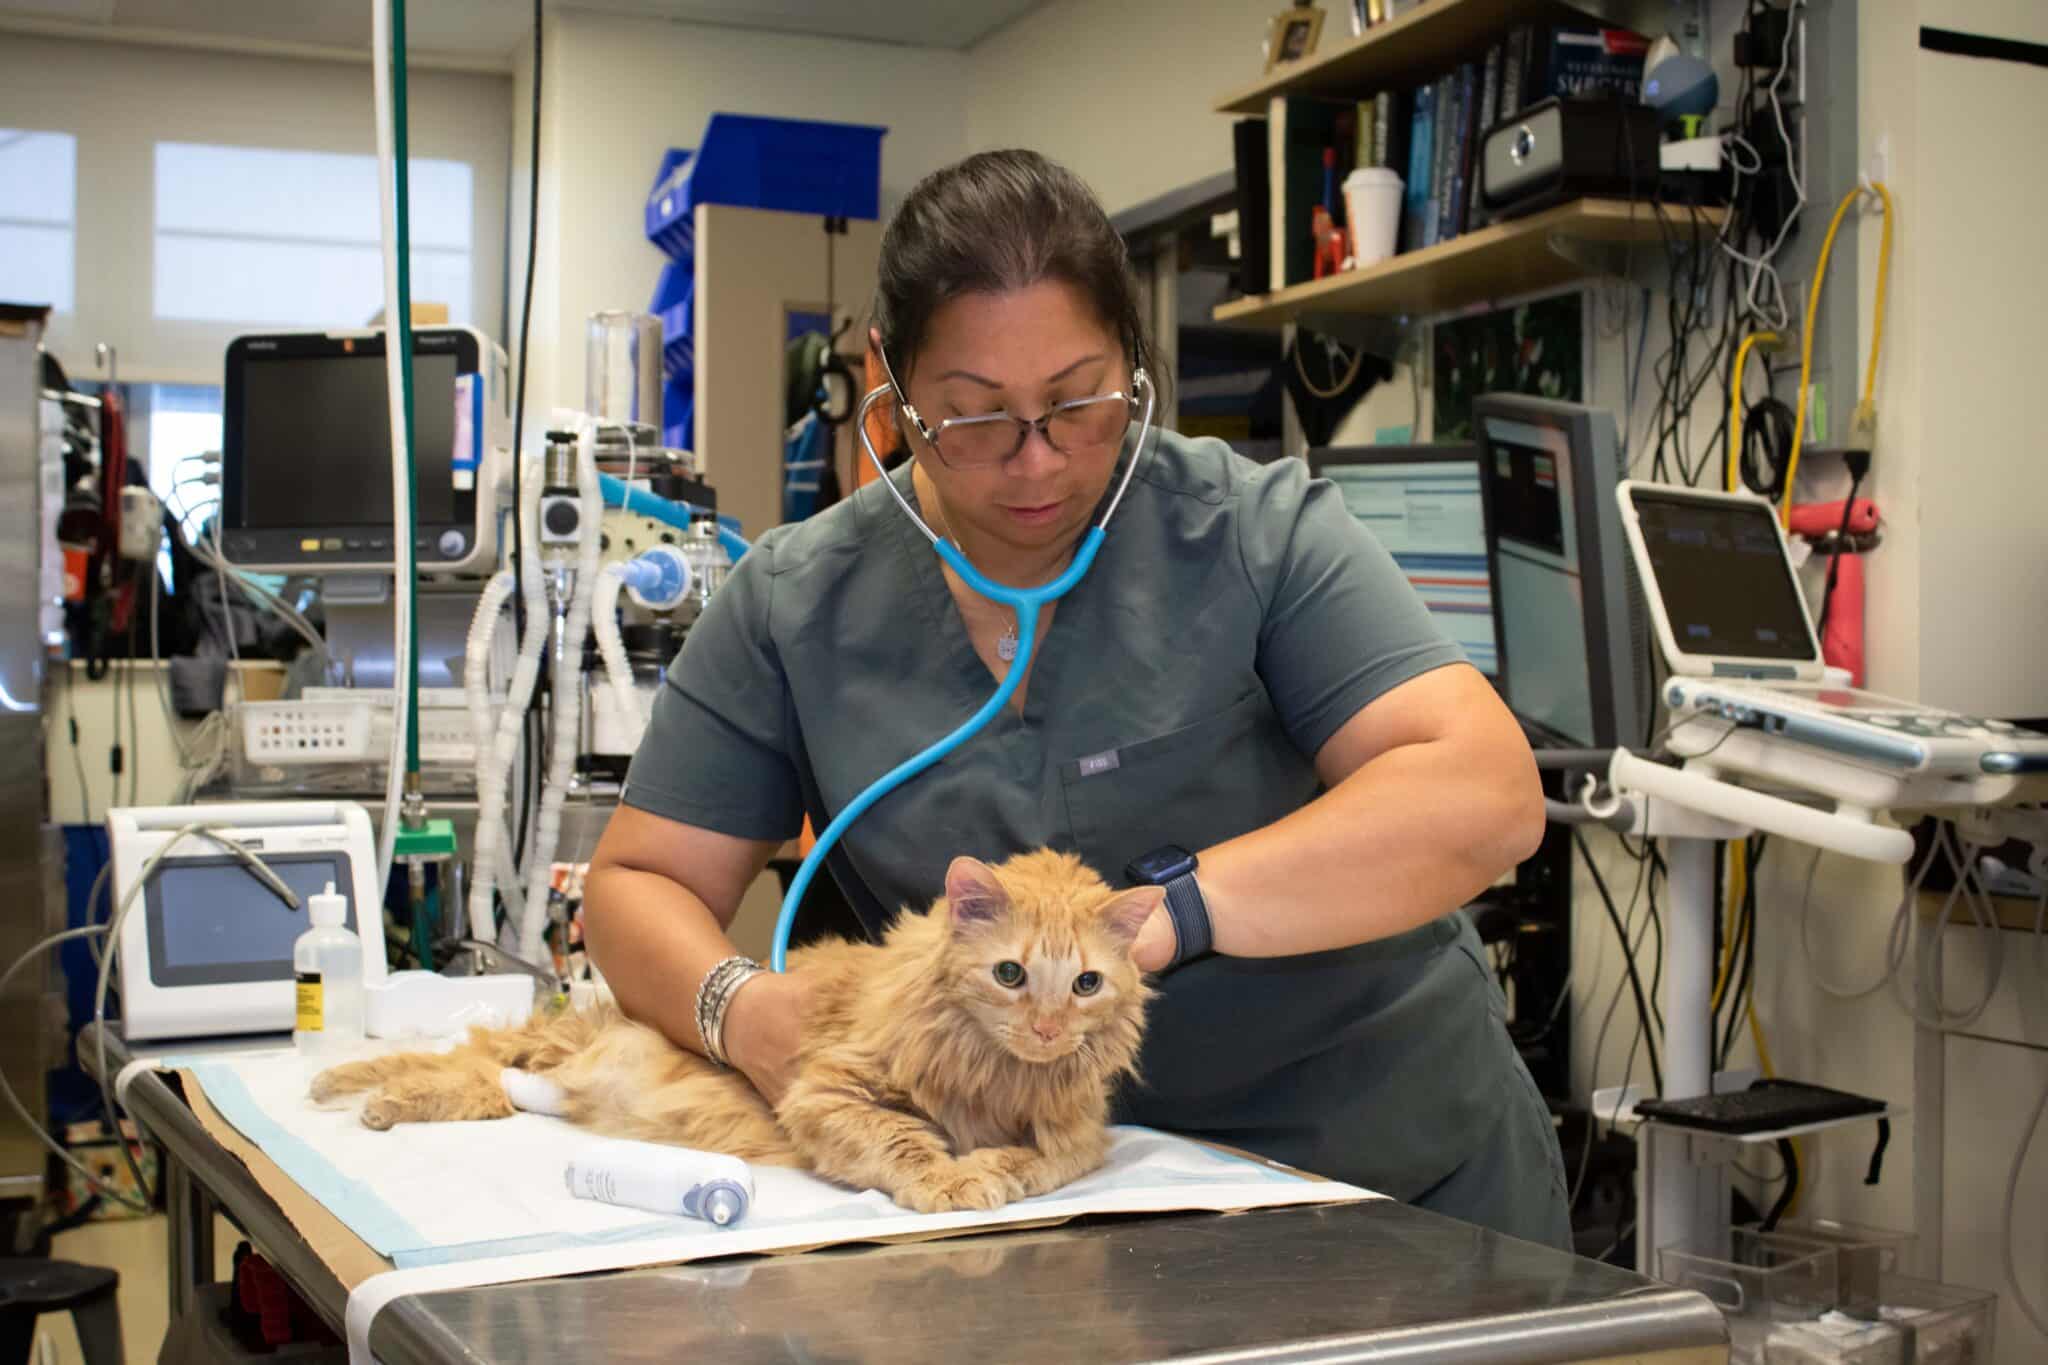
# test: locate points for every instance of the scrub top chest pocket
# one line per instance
(1196, 785)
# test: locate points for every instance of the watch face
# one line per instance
(1161, 865)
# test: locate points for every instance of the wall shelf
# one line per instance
(1422, 43)
(1524, 256)
(1426, 42)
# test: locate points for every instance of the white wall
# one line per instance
(120, 99)
(618, 92)
(1122, 93)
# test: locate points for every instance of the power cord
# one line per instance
(212, 833)
(1858, 464)
(1635, 979)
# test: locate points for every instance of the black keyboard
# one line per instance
(1764, 1107)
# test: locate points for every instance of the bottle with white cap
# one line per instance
(662, 1179)
(327, 961)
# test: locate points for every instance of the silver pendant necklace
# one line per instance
(1006, 643)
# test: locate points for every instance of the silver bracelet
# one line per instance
(714, 995)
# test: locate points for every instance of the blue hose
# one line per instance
(1026, 603)
(617, 493)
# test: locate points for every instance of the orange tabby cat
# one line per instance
(963, 1062)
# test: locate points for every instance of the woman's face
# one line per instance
(1020, 353)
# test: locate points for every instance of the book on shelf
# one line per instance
(1489, 114)
(1254, 196)
(1421, 152)
(1594, 63)
(1299, 129)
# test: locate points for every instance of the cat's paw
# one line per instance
(954, 1186)
(336, 1083)
(382, 1111)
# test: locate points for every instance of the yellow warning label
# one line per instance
(312, 1007)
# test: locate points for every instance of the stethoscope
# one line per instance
(1024, 602)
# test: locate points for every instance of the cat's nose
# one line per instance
(1046, 1029)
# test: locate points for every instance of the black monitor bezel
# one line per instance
(1592, 507)
(342, 549)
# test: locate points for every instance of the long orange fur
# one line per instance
(919, 1073)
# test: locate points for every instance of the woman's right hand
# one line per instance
(763, 1025)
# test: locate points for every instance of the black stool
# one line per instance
(30, 1287)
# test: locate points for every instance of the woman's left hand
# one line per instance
(1156, 943)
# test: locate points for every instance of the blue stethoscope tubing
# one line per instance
(1025, 602)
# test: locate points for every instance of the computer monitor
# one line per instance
(1424, 505)
(1572, 629)
(306, 452)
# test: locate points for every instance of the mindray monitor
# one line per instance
(1571, 628)
(306, 452)
(1423, 503)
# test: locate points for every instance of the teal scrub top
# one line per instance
(1236, 618)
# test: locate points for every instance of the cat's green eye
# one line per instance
(1010, 974)
(1087, 983)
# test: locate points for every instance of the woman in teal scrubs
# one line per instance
(1244, 701)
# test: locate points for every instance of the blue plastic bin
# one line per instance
(795, 165)
(668, 223)
(674, 302)
(679, 414)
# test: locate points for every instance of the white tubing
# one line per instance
(604, 623)
(394, 374)
(568, 672)
(496, 766)
(490, 788)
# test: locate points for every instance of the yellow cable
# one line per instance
(1756, 1035)
(1737, 870)
(1820, 273)
(1768, 340)
(1763, 1058)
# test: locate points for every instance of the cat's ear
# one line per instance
(1125, 914)
(973, 895)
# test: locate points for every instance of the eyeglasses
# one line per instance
(1080, 426)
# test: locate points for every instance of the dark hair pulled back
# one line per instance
(994, 223)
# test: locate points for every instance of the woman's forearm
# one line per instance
(1412, 834)
(654, 941)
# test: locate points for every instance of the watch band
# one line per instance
(1192, 935)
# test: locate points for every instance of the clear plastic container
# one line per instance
(1835, 1339)
(1944, 1324)
(1757, 1285)
(1863, 1254)
(622, 374)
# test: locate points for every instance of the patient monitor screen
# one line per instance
(1722, 577)
(317, 435)
(211, 921)
(1542, 592)
(1429, 517)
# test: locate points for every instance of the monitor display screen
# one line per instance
(316, 436)
(1428, 515)
(211, 921)
(1722, 577)
(1571, 629)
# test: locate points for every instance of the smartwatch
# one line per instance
(1173, 867)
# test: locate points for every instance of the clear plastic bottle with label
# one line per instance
(327, 961)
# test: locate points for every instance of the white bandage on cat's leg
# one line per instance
(533, 1094)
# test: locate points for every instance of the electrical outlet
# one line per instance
(1880, 167)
